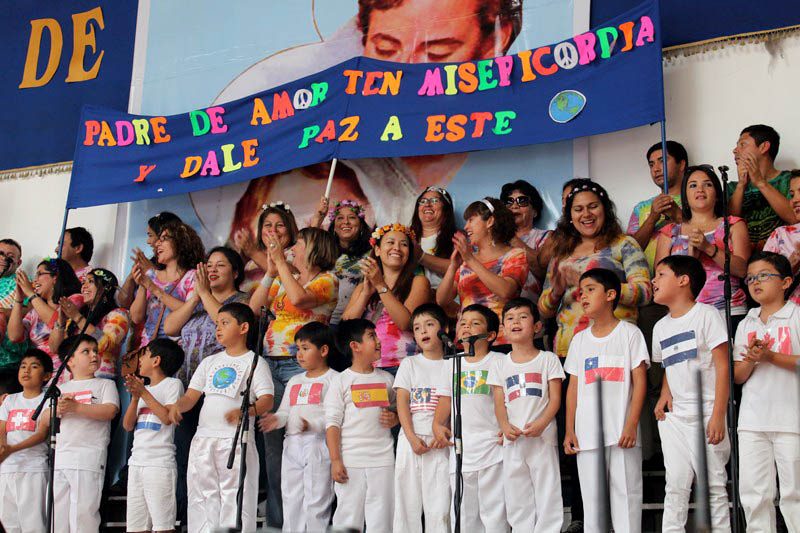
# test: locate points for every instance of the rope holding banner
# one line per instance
(330, 178)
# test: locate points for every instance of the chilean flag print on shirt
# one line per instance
(605, 367)
(678, 348)
(528, 384)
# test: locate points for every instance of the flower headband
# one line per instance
(444, 194)
(590, 187)
(383, 230)
(52, 264)
(108, 278)
(355, 206)
(278, 205)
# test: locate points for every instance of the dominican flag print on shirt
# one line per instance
(528, 384)
(306, 394)
(605, 367)
(20, 420)
(678, 348)
(781, 344)
(148, 420)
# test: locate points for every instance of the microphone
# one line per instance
(723, 168)
(448, 344)
(474, 338)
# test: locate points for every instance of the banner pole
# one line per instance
(63, 230)
(330, 178)
(665, 185)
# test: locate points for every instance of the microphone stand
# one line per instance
(602, 479)
(703, 515)
(51, 395)
(243, 427)
(458, 492)
(732, 421)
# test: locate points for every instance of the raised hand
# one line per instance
(202, 283)
(24, 283)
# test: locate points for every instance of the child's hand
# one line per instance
(5, 451)
(135, 385)
(533, 429)
(716, 429)
(665, 400)
(232, 416)
(304, 425)
(389, 418)
(418, 445)
(66, 406)
(500, 438)
(338, 471)
(441, 436)
(175, 415)
(628, 437)
(511, 432)
(267, 422)
(571, 446)
(758, 351)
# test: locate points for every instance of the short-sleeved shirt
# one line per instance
(153, 441)
(348, 271)
(426, 380)
(304, 399)
(611, 359)
(16, 412)
(396, 343)
(110, 333)
(526, 388)
(183, 289)
(289, 318)
(222, 379)
(683, 347)
(770, 394)
(38, 331)
(471, 290)
(786, 241)
(428, 245)
(639, 215)
(761, 217)
(82, 442)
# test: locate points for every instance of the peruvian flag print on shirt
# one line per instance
(306, 394)
(20, 420)
(527, 384)
(605, 367)
(84, 396)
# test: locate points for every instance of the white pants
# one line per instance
(483, 503)
(212, 487)
(681, 461)
(367, 496)
(624, 471)
(306, 484)
(151, 498)
(532, 485)
(759, 454)
(421, 485)
(76, 500)
(22, 502)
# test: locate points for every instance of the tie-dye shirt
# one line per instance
(290, 318)
(713, 292)
(471, 290)
(38, 331)
(786, 241)
(641, 212)
(183, 291)
(626, 259)
(109, 334)
(348, 271)
(396, 344)
(533, 286)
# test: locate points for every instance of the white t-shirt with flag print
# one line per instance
(610, 359)
(153, 441)
(304, 399)
(222, 379)
(770, 395)
(526, 388)
(82, 442)
(683, 347)
(478, 422)
(425, 380)
(16, 412)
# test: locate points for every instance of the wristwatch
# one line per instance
(383, 290)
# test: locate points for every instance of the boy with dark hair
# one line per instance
(86, 407)
(358, 421)
(766, 354)
(421, 481)
(692, 338)
(23, 451)
(483, 502)
(526, 386)
(77, 250)
(152, 472)
(221, 379)
(306, 485)
(762, 190)
(613, 351)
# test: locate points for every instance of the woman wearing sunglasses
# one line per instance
(434, 221)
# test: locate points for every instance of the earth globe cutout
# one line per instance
(566, 105)
(224, 377)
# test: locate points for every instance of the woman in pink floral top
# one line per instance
(786, 239)
(484, 268)
(701, 235)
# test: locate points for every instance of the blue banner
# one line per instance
(604, 80)
(58, 56)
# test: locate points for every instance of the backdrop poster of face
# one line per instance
(196, 56)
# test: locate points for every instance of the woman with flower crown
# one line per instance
(391, 290)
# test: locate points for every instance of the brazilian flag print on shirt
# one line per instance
(474, 382)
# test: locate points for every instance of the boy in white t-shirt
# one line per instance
(358, 420)
(422, 471)
(483, 506)
(152, 470)
(86, 407)
(526, 387)
(615, 352)
(306, 485)
(23, 450)
(691, 338)
(221, 379)
(766, 354)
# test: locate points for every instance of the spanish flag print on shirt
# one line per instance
(369, 395)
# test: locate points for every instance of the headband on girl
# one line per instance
(383, 230)
(442, 192)
(488, 204)
(52, 264)
(584, 187)
(278, 205)
(350, 204)
(108, 278)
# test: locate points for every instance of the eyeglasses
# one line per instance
(429, 201)
(761, 277)
(522, 201)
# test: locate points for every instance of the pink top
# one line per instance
(786, 241)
